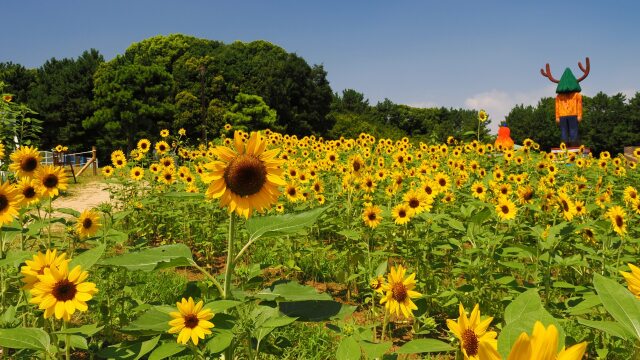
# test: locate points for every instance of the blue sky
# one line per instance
(475, 54)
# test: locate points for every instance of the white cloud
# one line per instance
(498, 103)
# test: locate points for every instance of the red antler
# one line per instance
(584, 70)
(548, 73)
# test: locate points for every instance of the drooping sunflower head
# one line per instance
(246, 178)
(191, 321)
(88, 224)
(51, 179)
(25, 161)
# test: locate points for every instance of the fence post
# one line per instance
(95, 161)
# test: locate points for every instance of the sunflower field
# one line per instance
(268, 246)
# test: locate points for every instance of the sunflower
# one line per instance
(617, 214)
(525, 194)
(633, 279)
(61, 292)
(51, 179)
(182, 132)
(630, 194)
(417, 201)
(107, 171)
(567, 206)
(143, 145)
(482, 115)
(27, 188)
(542, 345)
(137, 173)
(227, 127)
(580, 208)
(191, 321)
(88, 224)
(10, 200)
(168, 176)
(162, 147)
(478, 190)
(472, 333)
(402, 214)
(39, 262)
(25, 161)
(247, 178)
(120, 162)
(377, 284)
(442, 181)
(506, 209)
(59, 148)
(371, 216)
(398, 292)
(164, 133)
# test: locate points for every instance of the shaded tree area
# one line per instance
(354, 114)
(609, 123)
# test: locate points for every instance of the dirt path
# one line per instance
(83, 196)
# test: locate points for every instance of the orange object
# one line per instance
(569, 104)
(504, 138)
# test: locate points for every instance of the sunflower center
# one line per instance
(399, 292)
(470, 342)
(402, 213)
(29, 192)
(442, 182)
(479, 190)
(528, 195)
(168, 176)
(504, 209)
(50, 181)
(64, 290)
(371, 216)
(619, 221)
(245, 175)
(4, 202)
(191, 321)
(28, 164)
(428, 190)
(414, 203)
(86, 223)
(356, 166)
(565, 206)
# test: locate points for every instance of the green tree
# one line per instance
(18, 80)
(250, 112)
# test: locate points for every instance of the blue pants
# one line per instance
(569, 129)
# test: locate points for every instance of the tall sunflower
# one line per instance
(51, 179)
(27, 188)
(39, 262)
(402, 214)
(506, 209)
(61, 292)
(472, 333)
(246, 178)
(10, 200)
(191, 321)
(398, 292)
(371, 216)
(543, 344)
(617, 214)
(143, 145)
(418, 201)
(88, 224)
(25, 161)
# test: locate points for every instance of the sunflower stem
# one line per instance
(210, 277)
(67, 342)
(226, 294)
(384, 325)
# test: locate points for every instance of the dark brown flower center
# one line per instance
(4, 202)
(619, 221)
(245, 175)
(191, 321)
(565, 206)
(28, 164)
(479, 190)
(504, 209)
(399, 292)
(86, 223)
(414, 203)
(29, 192)
(50, 181)
(64, 290)
(470, 342)
(402, 214)
(442, 182)
(356, 166)
(372, 216)
(428, 190)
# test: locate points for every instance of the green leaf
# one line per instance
(88, 258)
(116, 236)
(348, 349)
(15, 258)
(25, 338)
(183, 195)
(313, 310)
(282, 224)
(128, 351)
(610, 327)
(221, 305)
(278, 322)
(220, 341)
(291, 291)
(148, 260)
(620, 303)
(77, 342)
(424, 346)
(527, 302)
(86, 330)
(166, 350)
(68, 211)
(375, 350)
(153, 321)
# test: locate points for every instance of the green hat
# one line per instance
(568, 83)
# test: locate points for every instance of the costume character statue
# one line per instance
(568, 102)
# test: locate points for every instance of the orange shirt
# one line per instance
(569, 104)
